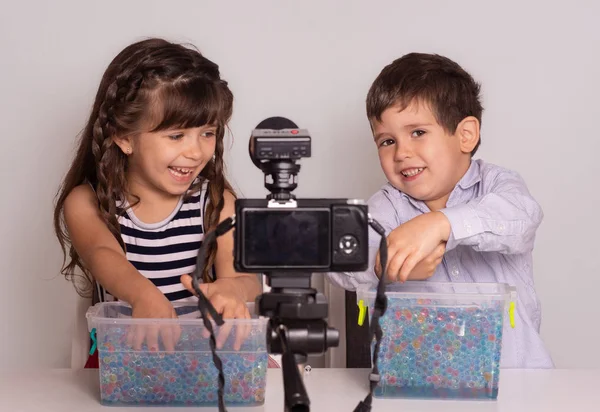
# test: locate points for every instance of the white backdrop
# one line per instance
(311, 61)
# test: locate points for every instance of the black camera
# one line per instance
(283, 234)
(316, 235)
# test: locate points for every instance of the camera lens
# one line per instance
(348, 245)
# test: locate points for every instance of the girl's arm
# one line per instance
(230, 292)
(99, 250)
(103, 257)
(247, 284)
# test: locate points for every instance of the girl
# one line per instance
(146, 183)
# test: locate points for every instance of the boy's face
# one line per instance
(418, 156)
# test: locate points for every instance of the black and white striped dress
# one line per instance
(164, 251)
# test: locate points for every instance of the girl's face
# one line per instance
(167, 162)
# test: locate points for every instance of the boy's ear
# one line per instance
(124, 143)
(468, 133)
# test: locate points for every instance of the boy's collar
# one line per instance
(472, 176)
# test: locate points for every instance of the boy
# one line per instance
(448, 217)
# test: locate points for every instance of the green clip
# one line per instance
(362, 312)
(511, 314)
(93, 336)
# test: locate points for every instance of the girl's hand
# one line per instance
(151, 303)
(227, 298)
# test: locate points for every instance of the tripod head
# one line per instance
(296, 329)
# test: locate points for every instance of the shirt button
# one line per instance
(455, 271)
(468, 228)
(501, 228)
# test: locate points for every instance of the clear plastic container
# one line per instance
(185, 374)
(441, 340)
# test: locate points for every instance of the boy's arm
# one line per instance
(504, 220)
(381, 209)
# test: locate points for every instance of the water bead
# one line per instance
(436, 351)
(186, 377)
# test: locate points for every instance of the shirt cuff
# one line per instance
(464, 223)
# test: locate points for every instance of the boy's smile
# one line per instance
(418, 156)
(411, 173)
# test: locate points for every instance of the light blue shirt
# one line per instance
(494, 221)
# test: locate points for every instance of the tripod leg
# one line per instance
(296, 398)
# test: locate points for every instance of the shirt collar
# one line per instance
(472, 176)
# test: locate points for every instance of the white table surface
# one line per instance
(330, 390)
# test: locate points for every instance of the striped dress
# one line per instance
(164, 251)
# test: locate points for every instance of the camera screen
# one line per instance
(287, 238)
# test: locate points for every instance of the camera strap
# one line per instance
(379, 309)
(206, 308)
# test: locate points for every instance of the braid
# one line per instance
(109, 163)
(218, 185)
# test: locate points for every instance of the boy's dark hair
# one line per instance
(450, 91)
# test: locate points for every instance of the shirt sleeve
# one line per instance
(382, 210)
(504, 219)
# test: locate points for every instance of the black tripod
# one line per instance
(296, 312)
(295, 330)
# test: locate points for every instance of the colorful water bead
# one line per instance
(185, 377)
(432, 350)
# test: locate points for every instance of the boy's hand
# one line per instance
(414, 241)
(226, 297)
(426, 267)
